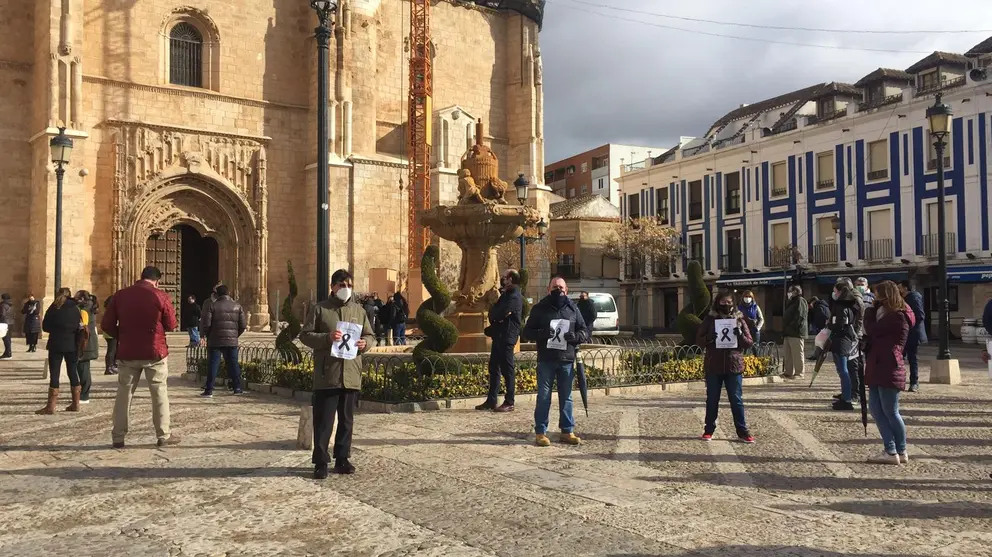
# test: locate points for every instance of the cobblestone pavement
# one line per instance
(463, 483)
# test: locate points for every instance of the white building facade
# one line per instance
(832, 180)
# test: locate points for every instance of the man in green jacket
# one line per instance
(794, 334)
(336, 380)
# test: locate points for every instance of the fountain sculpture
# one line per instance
(480, 221)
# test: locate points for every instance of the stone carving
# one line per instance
(468, 191)
(483, 167)
(538, 67)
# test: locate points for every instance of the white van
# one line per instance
(607, 317)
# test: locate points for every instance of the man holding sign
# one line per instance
(725, 336)
(556, 325)
(339, 332)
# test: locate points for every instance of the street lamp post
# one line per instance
(324, 9)
(522, 186)
(61, 146)
(940, 118)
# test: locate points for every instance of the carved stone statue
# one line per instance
(483, 167)
(468, 191)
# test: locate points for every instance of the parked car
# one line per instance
(608, 318)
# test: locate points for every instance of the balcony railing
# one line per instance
(779, 191)
(568, 270)
(931, 244)
(782, 257)
(932, 163)
(878, 174)
(787, 126)
(875, 103)
(824, 254)
(662, 215)
(878, 250)
(695, 210)
(731, 263)
(633, 270)
(704, 148)
(940, 86)
(729, 141)
(825, 184)
(826, 116)
(663, 268)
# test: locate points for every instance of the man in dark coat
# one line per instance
(588, 310)
(556, 344)
(794, 334)
(32, 322)
(192, 317)
(917, 334)
(504, 328)
(7, 318)
(222, 324)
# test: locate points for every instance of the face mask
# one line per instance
(835, 295)
(863, 289)
(791, 295)
(747, 300)
(725, 308)
(343, 294)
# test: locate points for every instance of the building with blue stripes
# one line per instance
(828, 181)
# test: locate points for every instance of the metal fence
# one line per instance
(395, 378)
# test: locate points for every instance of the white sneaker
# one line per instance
(884, 458)
(904, 457)
(87, 401)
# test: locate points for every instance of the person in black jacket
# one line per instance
(7, 318)
(504, 329)
(547, 325)
(917, 334)
(846, 328)
(62, 322)
(192, 318)
(222, 324)
(588, 310)
(32, 322)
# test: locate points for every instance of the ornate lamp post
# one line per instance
(61, 146)
(324, 9)
(522, 186)
(940, 118)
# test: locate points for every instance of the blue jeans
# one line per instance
(845, 377)
(911, 356)
(884, 404)
(230, 354)
(734, 384)
(399, 334)
(547, 373)
(194, 336)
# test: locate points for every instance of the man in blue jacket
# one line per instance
(504, 328)
(556, 325)
(917, 335)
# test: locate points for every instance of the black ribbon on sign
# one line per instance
(726, 335)
(557, 337)
(344, 341)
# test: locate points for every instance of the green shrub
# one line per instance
(286, 336)
(692, 315)
(440, 333)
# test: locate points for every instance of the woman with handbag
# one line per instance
(63, 322)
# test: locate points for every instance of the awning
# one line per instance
(753, 279)
(981, 273)
(873, 278)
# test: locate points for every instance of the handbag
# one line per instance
(3, 330)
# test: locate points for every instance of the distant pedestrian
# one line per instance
(110, 360)
(138, 317)
(32, 322)
(846, 326)
(401, 312)
(861, 285)
(371, 310)
(888, 325)
(587, 308)
(723, 366)
(819, 314)
(6, 319)
(336, 381)
(192, 318)
(556, 344)
(794, 334)
(222, 324)
(89, 344)
(917, 335)
(752, 315)
(63, 323)
(504, 330)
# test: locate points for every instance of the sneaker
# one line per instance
(904, 457)
(884, 458)
(342, 466)
(81, 401)
(486, 406)
(569, 439)
(841, 405)
(746, 438)
(6, 357)
(168, 441)
(207, 394)
(541, 440)
(237, 392)
(504, 408)
(706, 437)
(320, 472)
(914, 388)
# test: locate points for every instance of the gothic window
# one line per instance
(185, 56)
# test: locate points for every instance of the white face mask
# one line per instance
(747, 300)
(791, 295)
(343, 294)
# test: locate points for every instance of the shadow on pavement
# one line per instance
(770, 481)
(771, 550)
(285, 445)
(888, 508)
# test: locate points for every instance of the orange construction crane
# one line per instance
(421, 136)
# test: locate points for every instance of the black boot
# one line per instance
(342, 466)
(320, 472)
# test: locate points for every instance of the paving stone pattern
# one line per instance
(466, 484)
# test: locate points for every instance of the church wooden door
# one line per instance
(166, 253)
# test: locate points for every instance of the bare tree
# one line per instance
(638, 243)
(508, 255)
(547, 254)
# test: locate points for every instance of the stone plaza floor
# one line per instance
(465, 483)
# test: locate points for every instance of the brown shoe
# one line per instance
(74, 406)
(504, 408)
(168, 442)
(486, 406)
(53, 399)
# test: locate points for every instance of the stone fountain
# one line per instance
(480, 221)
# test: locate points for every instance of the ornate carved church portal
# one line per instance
(193, 205)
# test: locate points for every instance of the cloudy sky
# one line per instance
(616, 76)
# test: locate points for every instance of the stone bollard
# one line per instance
(304, 438)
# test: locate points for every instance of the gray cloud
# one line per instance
(613, 81)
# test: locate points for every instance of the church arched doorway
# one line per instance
(189, 263)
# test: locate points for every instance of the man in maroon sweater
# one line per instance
(138, 317)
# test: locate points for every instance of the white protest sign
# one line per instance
(558, 329)
(347, 347)
(724, 329)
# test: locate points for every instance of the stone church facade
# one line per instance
(194, 129)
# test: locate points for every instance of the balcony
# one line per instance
(932, 163)
(733, 201)
(663, 269)
(875, 103)
(634, 270)
(736, 140)
(825, 184)
(782, 257)
(826, 117)
(878, 250)
(926, 89)
(878, 174)
(787, 126)
(731, 263)
(776, 192)
(662, 215)
(695, 210)
(931, 244)
(825, 254)
(704, 148)
(568, 270)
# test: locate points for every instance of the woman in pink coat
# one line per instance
(887, 326)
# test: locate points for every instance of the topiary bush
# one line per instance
(692, 314)
(284, 342)
(440, 333)
(524, 279)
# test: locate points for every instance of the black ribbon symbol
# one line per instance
(557, 337)
(344, 342)
(725, 336)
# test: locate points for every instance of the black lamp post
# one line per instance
(522, 186)
(324, 9)
(61, 146)
(940, 117)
